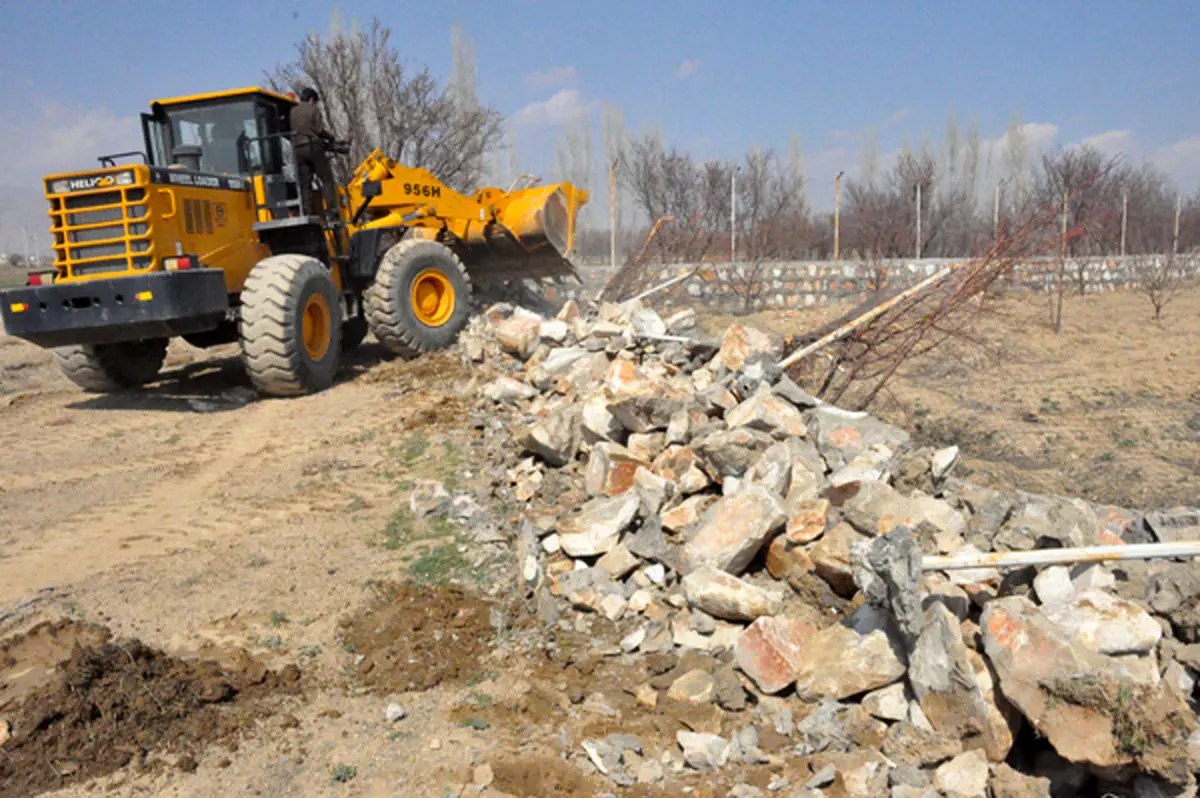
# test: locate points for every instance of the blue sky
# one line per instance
(716, 76)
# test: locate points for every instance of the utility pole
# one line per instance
(612, 212)
(733, 214)
(996, 209)
(919, 219)
(1124, 218)
(25, 241)
(1175, 237)
(837, 214)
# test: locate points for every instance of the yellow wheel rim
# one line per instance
(316, 326)
(432, 298)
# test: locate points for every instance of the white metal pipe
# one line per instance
(661, 286)
(1020, 559)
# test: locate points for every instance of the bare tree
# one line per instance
(1159, 278)
(370, 97)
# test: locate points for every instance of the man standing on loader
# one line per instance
(312, 143)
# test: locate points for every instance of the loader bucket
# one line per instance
(532, 238)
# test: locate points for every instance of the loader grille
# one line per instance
(101, 232)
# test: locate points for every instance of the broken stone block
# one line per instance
(506, 389)
(734, 529)
(839, 662)
(804, 484)
(943, 679)
(595, 527)
(703, 751)
(789, 390)
(653, 491)
(1106, 624)
(807, 520)
(610, 469)
(613, 607)
(686, 513)
(1175, 526)
(772, 470)
(518, 335)
(860, 773)
(769, 651)
(682, 322)
(681, 465)
(739, 344)
(598, 423)
(646, 446)
(888, 703)
(646, 322)
(1084, 703)
(943, 460)
(729, 453)
(1053, 585)
(907, 744)
(555, 438)
(619, 562)
(783, 556)
(964, 776)
(768, 413)
(1175, 593)
(1047, 521)
(724, 596)
(876, 508)
(869, 465)
(694, 687)
(429, 497)
(1091, 576)
(831, 558)
(1010, 783)
(842, 434)
(1179, 678)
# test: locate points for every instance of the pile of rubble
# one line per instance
(701, 501)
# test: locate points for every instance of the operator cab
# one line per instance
(240, 133)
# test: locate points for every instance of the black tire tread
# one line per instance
(271, 349)
(106, 368)
(386, 322)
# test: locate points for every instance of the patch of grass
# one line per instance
(276, 619)
(475, 723)
(1122, 441)
(399, 529)
(439, 565)
(171, 441)
(483, 699)
(481, 677)
(270, 642)
(341, 773)
(309, 650)
(413, 448)
(1107, 457)
(355, 504)
(1193, 423)
(257, 562)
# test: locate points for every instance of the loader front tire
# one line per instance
(421, 297)
(291, 326)
(105, 368)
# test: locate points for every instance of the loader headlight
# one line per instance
(60, 187)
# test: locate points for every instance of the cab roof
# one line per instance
(221, 95)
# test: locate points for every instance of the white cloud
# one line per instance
(897, 117)
(562, 106)
(551, 78)
(57, 138)
(1181, 161)
(1112, 142)
(687, 68)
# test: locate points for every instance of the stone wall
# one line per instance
(798, 284)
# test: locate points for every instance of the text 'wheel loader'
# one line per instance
(211, 238)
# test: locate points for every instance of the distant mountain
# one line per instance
(22, 207)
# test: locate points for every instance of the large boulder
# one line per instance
(611, 469)
(734, 529)
(724, 596)
(770, 650)
(740, 344)
(843, 434)
(840, 662)
(1106, 624)
(595, 527)
(766, 412)
(1090, 707)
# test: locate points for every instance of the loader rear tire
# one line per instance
(421, 297)
(291, 326)
(105, 368)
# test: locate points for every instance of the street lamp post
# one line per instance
(919, 182)
(733, 214)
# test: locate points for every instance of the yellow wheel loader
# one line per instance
(210, 237)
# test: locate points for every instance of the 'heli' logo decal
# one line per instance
(84, 183)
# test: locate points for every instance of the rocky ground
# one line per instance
(585, 555)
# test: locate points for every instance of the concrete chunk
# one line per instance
(734, 529)
(724, 596)
(596, 526)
